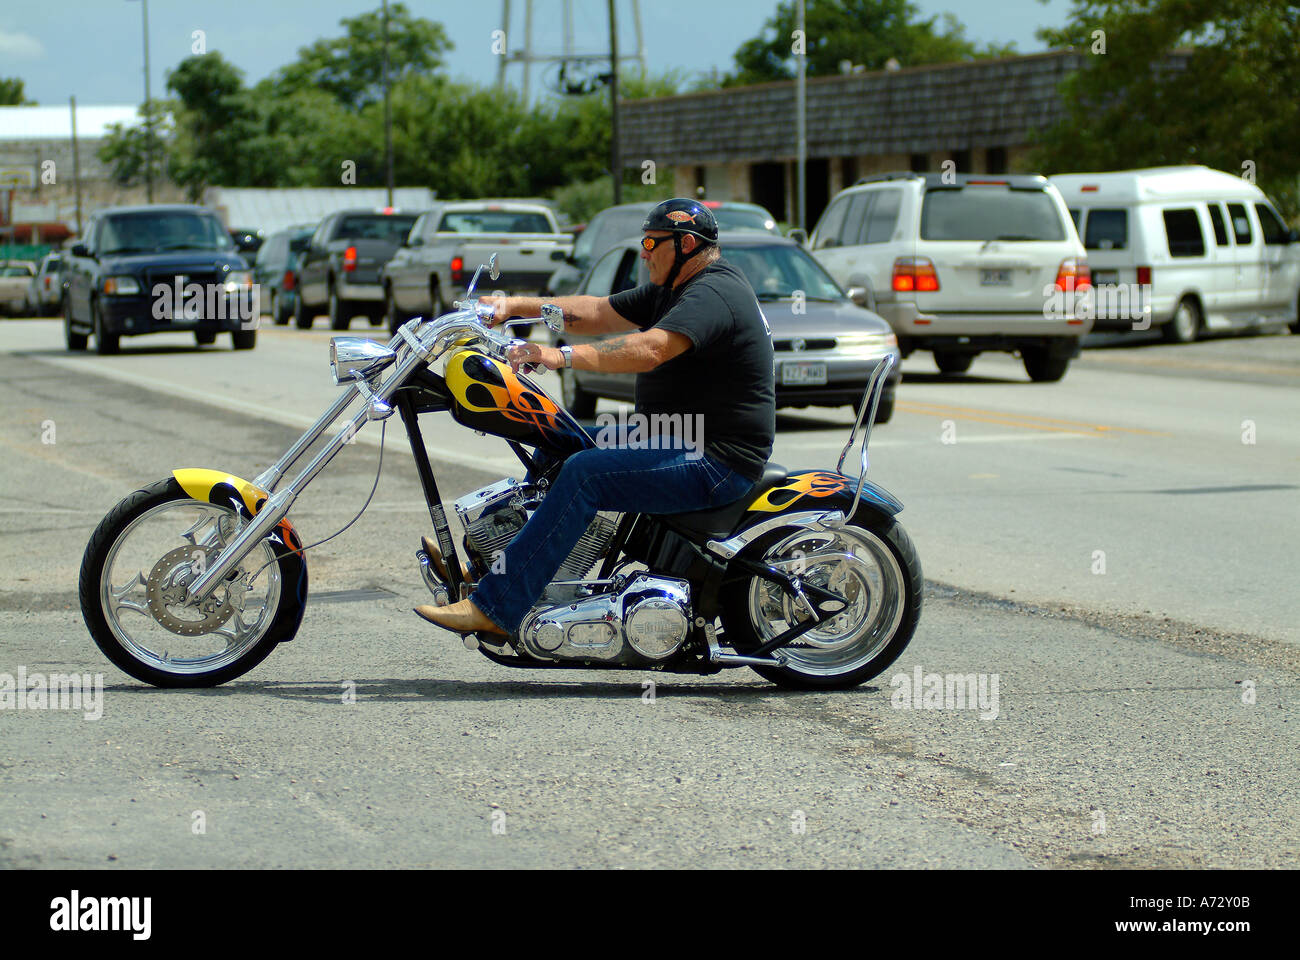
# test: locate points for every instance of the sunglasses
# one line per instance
(649, 243)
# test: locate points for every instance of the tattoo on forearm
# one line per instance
(610, 346)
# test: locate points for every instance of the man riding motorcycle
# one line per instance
(702, 350)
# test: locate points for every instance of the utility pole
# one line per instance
(388, 115)
(616, 166)
(76, 161)
(801, 122)
(148, 108)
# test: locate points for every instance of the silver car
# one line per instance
(826, 345)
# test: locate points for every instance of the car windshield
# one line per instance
(987, 213)
(162, 230)
(494, 221)
(780, 271)
(374, 226)
(743, 218)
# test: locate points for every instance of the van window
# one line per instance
(1216, 221)
(1183, 230)
(882, 217)
(851, 232)
(1271, 225)
(1107, 230)
(986, 213)
(1240, 223)
(828, 231)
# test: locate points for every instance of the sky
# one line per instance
(93, 48)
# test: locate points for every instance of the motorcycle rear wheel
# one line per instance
(872, 562)
(139, 619)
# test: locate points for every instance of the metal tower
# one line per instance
(574, 72)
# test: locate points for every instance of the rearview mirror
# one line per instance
(799, 236)
(559, 255)
(553, 317)
(493, 271)
(79, 250)
(858, 295)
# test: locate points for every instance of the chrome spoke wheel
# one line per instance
(143, 590)
(852, 562)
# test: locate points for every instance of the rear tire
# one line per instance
(885, 409)
(1044, 365)
(880, 568)
(75, 341)
(1185, 325)
(303, 315)
(340, 311)
(1295, 327)
(951, 363)
(204, 339)
(243, 339)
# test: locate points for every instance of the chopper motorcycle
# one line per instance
(808, 579)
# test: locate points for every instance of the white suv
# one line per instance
(960, 264)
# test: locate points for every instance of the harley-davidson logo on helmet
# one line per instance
(681, 216)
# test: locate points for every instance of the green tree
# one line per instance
(216, 120)
(126, 149)
(864, 33)
(350, 67)
(1181, 81)
(11, 93)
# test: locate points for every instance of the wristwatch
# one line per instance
(568, 355)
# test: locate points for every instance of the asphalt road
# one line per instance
(1146, 717)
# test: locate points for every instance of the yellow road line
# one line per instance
(1025, 421)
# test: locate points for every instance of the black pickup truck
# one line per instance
(339, 270)
(153, 269)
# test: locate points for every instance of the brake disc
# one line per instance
(167, 599)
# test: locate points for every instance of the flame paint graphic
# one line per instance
(484, 386)
(779, 499)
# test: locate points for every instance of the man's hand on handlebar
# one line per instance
(530, 356)
(501, 310)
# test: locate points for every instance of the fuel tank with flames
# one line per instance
(488, 396)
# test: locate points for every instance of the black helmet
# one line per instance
(683, 215)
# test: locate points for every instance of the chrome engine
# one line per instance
(638, 619)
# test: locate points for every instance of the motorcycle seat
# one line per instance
(719, 522)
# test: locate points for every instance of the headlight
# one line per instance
(879, 340)
(237, 280)
(121, 286)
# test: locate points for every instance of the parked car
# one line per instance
(434, 266)
(151, 269)
(962, 264)
(826, 346)
(15, 280)
(45, 292)
(613, 224)
(1186, 249)
(339, 271)
(276, 270)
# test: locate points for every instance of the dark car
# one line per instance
(339, 270)
(826, 346)
(151, 269)
(276, 270)
(618, 223)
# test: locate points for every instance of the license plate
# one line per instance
(1105, 276)
(803, 373)
(995, 278)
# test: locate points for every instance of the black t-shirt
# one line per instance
(727, 374)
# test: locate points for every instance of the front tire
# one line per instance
(1044, 365)
(205, 338)
(105, 343)
(872, 562)
(74, 341)
(243, 339)
(140, 622)
(951, 363)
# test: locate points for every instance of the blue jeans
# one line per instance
(614, 478)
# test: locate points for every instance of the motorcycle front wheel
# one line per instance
(133, 591)
(871, 562)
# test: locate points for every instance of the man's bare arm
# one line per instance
(634, 353)
(586, 316)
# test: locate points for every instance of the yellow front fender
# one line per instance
(201, 484)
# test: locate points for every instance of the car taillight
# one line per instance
(915, 274)
(457, 270)
(350, 259)
(1073, 275)
(47, 283)
(287, 283)
(1144, 276)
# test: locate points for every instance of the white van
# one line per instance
(1187, 249)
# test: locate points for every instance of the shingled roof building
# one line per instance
(740, 143)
